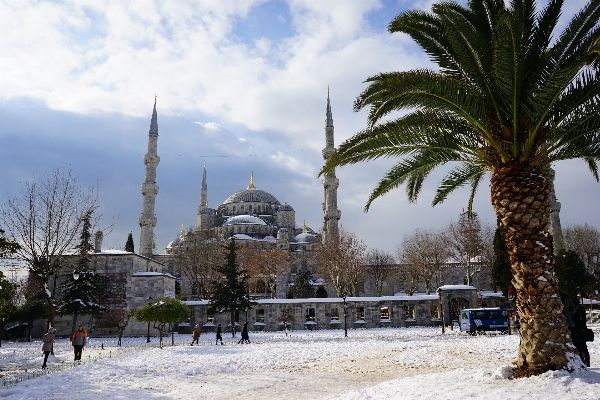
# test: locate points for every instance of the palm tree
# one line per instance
(508, 100)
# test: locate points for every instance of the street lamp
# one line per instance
(148, 336)
(75, 275)
(439, 293)
(345, 320)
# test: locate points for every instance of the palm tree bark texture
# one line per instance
(520, 199)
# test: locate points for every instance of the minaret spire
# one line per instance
(149, 189)
(331, 214)
(203, 191)
(328, 115)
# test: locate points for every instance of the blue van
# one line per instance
(480, 320)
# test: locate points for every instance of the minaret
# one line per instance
(147, 220)
(331, 214)
(203, 191)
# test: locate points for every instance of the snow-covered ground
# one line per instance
(414, 363)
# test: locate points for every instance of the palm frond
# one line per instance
(458, 177)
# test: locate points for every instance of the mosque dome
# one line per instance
(251, 195)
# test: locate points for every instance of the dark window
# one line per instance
(334, 314)
(310, 314)
(260, 315)
(384, 312)
(360, 313)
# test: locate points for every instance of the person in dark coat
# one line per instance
(568, 309)
(47, 343)
(219, 336)
(195, 335)
(245, 338)
(78, 341)
(578, 334)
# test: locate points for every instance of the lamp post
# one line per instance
(439, 293)
(345, 320)
(148, 336)
(75, 275)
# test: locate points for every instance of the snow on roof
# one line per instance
(244, 220)
(242, 236)
(114, 251)
(457, 287)
(153, 274)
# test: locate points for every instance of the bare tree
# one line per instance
(379, 266)
(197, 255)
(487, 257)
(341, 262)
(425, 251)
(465, 240)
(263, 265)
(585, 241)
(45, 219)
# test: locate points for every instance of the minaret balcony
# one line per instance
(151, 160)
(147, 221)
(149, 189)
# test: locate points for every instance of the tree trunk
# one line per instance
(74, 326)
(520, 199)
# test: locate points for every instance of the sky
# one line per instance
(241, 85)
(370, 364)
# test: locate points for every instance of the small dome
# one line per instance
(177, 242)
(285, 207)
(306, 238)
(244, 220)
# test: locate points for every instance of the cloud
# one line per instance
(78, 80)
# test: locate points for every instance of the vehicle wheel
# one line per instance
(481, 330)
(471, 333)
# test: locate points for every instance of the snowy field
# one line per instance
(413, 363)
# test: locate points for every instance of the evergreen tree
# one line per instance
(8, 291)
(571, 273)
(231, 293)
(81, 290)
(129, 244)
(303, 288)
(501, 274)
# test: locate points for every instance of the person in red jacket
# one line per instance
(78, 341)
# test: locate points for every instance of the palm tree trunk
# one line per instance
(520, 199)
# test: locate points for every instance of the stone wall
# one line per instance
(325, 313)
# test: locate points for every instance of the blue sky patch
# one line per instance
(271, 20)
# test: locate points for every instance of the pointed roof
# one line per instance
(329, 116)
(153, 124)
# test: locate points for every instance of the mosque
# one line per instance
(252, 216)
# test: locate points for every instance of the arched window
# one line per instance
(250, 208)
(234, 209)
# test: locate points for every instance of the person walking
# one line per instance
(245, 338)
(219, 335)
(78, 341)
(579, 334)
(195, 335)
(47, 343)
